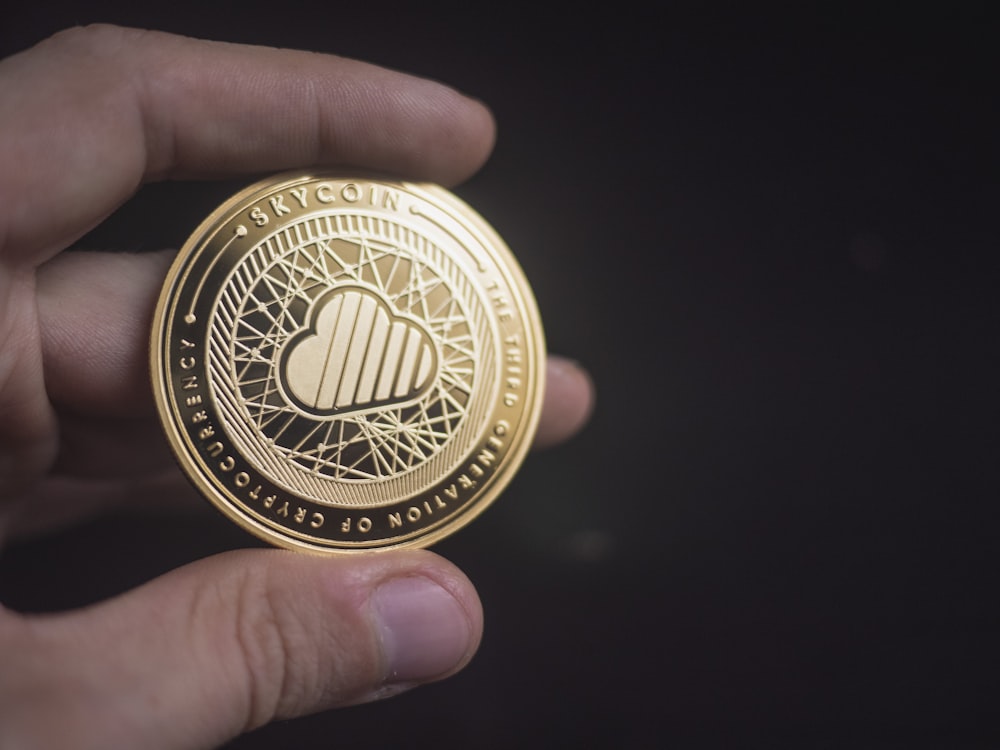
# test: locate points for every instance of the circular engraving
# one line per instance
(347, 363)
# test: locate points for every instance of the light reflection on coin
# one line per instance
(347, 363)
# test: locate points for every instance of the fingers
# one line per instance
(569, 400)
(96, 111)
(232, 642)
(95, 311)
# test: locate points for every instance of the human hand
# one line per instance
(237, 640)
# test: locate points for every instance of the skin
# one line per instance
(231, 642)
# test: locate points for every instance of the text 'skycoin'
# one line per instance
(346, 363)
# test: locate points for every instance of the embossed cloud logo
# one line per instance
(357, 354)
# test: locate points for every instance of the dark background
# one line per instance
(773, 240)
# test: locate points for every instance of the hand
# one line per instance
(231, 642)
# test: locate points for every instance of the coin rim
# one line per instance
(506, 265)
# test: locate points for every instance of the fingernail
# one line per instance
(424, 630)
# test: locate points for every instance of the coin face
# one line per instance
(347, 363)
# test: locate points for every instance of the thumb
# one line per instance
(230, 643)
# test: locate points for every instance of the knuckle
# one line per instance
(106, 53)
(276, 648)
(98, 38)
(297, 652)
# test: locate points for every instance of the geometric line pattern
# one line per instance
(269, 298)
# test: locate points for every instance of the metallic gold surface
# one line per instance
(347, 363)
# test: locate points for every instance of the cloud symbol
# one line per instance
(356, 354)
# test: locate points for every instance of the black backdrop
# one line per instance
(772, 238)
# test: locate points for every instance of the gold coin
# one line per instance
(347, 363)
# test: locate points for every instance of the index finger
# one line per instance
(90, 114)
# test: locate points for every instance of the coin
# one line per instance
(347, 362)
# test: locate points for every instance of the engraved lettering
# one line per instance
(317, 520)
(512, 366)
(255, 492)
(283, 510)
(214, 450)
(500, 302)
(485, 457)
(269, 500)
(199, 416)
(258, 217)
(345, 527)
(323, 193)
(206, 433)
(300, 515)
(227, 464)
(189, 382)
(364, 524)
(476, 470)
(501, 428)
(278, 205)
(494, 442)
(185, 344)
(414, 514)
(390, 199)
(242, 479)
(465, 483)
(187, 363)
(300, 195)
(451, 492)
(350, 193)
(193, 400)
